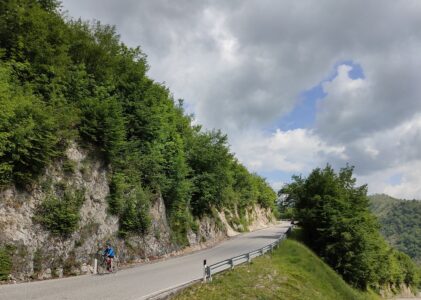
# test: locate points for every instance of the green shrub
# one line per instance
(46, 184)
(118, 189)
(28, 139)
(181, 221)
(336, 223)
(38, 257)
(70, 264)
(5, 264)
(60, 215)
(135, 216)
(69, 166)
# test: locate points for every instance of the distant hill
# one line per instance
(400, 221)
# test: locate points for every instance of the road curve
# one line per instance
(144, 280)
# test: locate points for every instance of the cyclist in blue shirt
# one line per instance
(109, 256)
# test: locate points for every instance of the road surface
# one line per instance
(142, 281)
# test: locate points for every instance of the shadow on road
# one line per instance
(274, 237)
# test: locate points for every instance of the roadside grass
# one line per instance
(292, 271)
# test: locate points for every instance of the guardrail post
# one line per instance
(232, 263)
(271, 248)
(209, 273)
(204, 270)
(248, 257)
(95, 266)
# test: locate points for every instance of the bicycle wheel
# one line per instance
(115, 265)
(102, 267)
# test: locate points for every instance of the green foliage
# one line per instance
(131, 203)
(400, 223)
(407, 273)
(102, 124)
(69, 166)
(68, 80)
(338, 226)
(70, 264)
(49, 5)
(210, 160)
(118, 190)
(5, 264)
(33, 32)
(134, 217)
(37, 261)
(28, 138)
(60, 215)
(238, 223)
(266, 196)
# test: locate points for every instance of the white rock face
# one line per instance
(38, 254)
(17, 210)
(259, 218)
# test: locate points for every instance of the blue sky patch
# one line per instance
(303, 115)
(276, 176)
(395, 179)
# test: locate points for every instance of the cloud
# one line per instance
(277, 185)
(407, 187)
(375, 139)
(242, 65)
(344, 106)
(295, 150)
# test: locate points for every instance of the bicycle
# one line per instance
(104, 265)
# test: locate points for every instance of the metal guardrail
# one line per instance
(230, 263)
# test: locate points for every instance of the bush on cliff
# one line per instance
(5, 264)
(60, 215)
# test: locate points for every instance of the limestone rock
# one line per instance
(38, 253)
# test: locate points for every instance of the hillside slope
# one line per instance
(291, 272)
(93, 149)
(401, 223)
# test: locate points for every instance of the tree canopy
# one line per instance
(65, 80)
(400, 223)
(337, 224)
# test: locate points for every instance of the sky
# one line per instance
(294, 84)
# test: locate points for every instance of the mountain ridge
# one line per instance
(400, 223)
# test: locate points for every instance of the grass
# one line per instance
(291, 272)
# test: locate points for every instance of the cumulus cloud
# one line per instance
(407, 186)
(241, 65)
(341, 111)
(295, 150)
(244, 63)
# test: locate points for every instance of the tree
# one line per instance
(337, 225)
(67, 80)
(28, 132)
(210, 161)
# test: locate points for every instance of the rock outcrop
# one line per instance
(38, 254)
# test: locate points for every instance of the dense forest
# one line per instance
(69, 81)
(337, 224)
(400, 222)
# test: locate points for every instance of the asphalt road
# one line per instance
(141, 281)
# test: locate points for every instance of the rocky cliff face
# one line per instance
(37, 253)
